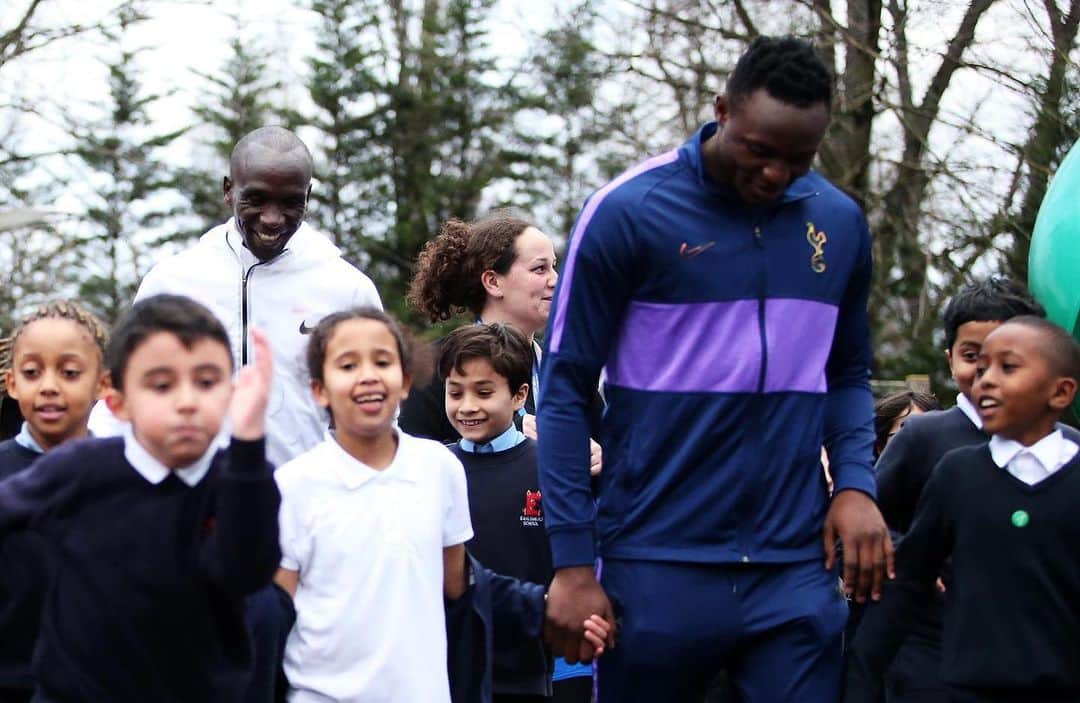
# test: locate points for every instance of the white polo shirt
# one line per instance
(368, 545)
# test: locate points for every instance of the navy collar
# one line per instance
(804, 187)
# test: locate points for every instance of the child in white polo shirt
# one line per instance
(373, 526)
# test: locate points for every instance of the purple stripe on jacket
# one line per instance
(559, 320)
(715, 347)
(800, 337)
(688, 347)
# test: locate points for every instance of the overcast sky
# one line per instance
(184, 37)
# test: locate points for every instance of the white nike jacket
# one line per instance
(284, 297)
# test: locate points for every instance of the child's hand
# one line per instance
(251, 392)
(528, 426)
(598, 634)
(596, 458)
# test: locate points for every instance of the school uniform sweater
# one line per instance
(905, 466)
(24, 576)
(147, 600)
(736, 343)
(1012, 612)
(508, 525)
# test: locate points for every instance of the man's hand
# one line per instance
(251, 392)
(854, 520)
(573, 597)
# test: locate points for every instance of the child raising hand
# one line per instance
(158, 535)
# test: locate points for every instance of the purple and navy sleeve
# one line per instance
(597, 282)
(849, 404)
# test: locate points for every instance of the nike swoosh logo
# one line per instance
(304, 329)
(688, 252)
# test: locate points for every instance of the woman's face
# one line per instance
(527, 288)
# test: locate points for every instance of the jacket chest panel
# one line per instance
(788, 255)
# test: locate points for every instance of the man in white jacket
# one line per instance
(265, 268)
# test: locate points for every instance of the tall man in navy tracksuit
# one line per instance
(723, 286)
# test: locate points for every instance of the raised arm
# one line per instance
(242, 553)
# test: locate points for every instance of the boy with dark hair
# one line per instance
(905, 465)
(486, 369)
(1004, 513)
(976, 310)
(158, 536)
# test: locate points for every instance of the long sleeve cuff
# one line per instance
(854, 476)
(575, 546)
(247, 458)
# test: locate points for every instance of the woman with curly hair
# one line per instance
(497, 269)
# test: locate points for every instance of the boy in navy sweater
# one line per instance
(486, 369)
(158, 536)
(904, 466)
(1004, 513)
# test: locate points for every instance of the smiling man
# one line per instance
(265, 268)
(723, 287)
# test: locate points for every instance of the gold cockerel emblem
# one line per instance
(817, 241)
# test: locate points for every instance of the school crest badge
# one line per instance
(817, 241)
(532, 515)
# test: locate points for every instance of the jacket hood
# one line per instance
(307, 245)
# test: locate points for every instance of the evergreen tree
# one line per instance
(238, 98)
(575, 156)
(118, 155)
(347, 37)
(417, 122)
(29, 244)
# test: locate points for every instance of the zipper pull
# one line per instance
(757, 235)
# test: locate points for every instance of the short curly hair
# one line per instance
(59, 309)
(447, 278)
(787, 68)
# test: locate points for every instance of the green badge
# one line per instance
(1020, 518)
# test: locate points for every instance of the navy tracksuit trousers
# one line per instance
(776, 628)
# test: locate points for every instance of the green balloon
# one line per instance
(1054, 258)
